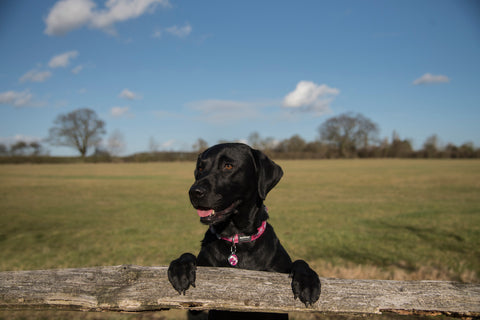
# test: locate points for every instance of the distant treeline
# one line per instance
(292, 148)
(297, 148)
(345, 136)
(99, 157)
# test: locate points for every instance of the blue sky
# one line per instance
(175, 71)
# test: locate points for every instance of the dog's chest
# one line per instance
(242, 256)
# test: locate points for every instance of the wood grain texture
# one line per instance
(135, 288)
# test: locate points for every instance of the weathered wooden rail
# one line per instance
(134, 288)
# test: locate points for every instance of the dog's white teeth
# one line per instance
(212, 213)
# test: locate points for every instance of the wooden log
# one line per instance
(134, 288)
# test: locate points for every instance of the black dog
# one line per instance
(231, 182)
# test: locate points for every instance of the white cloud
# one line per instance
(77, 69)
(225, 111)
(35, 76)
(429, 78)
(62, 60)
(129, 95)
(121, 10)
(157, 33)
(118, 112)
(311, 97)
(180, 32)
(17, 99)
(68, 15)
(168, 144)
(175, 30)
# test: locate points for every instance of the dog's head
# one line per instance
(229, 178)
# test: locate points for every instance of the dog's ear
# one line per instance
(268, 173)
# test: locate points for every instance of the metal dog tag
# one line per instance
(233, 259)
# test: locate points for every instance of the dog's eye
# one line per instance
(199, 169)
(228, 166)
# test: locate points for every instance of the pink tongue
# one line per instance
(204, 213)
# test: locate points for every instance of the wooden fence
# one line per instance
(134, 288)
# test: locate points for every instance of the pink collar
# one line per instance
(243, 238)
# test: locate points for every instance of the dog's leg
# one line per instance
(182, 272)
(305, 283)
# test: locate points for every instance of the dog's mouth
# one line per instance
(210, 216)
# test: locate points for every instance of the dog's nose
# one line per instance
(197, 192)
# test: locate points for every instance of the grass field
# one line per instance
(385, 219)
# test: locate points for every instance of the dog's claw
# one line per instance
(182, 273)
(305, 283)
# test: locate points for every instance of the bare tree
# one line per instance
(430, 146)
(348, 132)
(116, 143)
(200, 145)
(153, 145)
(79, 129)
(24, 148)
(254, 140)
(399, 148)
(18, 148)
(268, 143)
(293, 144)
(3, 150)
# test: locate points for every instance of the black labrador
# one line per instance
(231, 182)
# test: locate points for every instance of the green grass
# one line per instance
(93, 214)
(388, 214)
(390, 219)
(418, 217)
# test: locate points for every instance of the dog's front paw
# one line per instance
(305, 283)
(182, 272)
